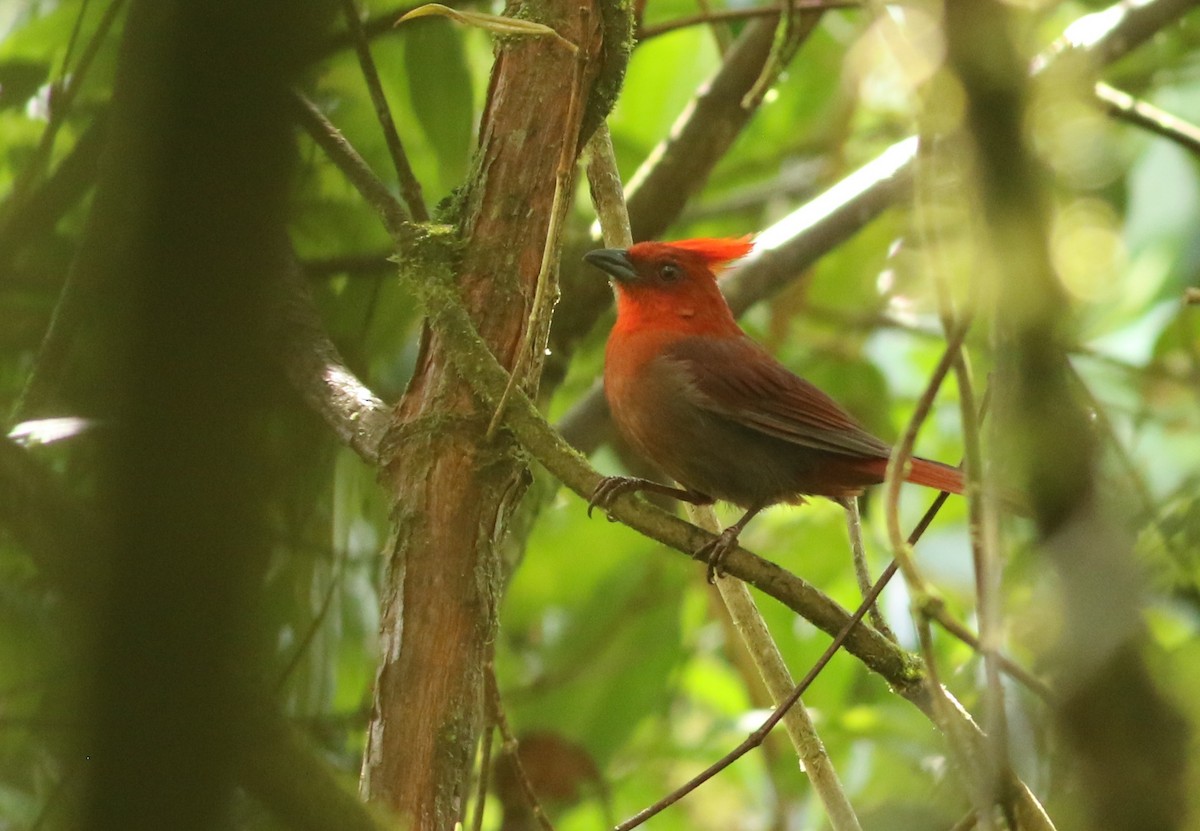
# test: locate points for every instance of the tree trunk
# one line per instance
(453, 489)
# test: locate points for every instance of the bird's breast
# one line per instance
(660, 409)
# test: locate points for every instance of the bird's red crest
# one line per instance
(716, 252)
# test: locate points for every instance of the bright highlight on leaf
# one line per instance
(494, 23)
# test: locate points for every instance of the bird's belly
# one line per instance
(718, 457)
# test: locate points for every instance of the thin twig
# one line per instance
(920, 590)
(901, 456)
(66, 97)
(862, 571)
(353, 166)
(937, 612)
(982, 506)
(781, 52)
(40, 208)
(608, 195)
(63, 97)
(76, 28)
(485, 766)
(758, 736)
(410, 187)
(720, 32)
(1124, 106)
(733, 16)
(376, 25)
(797, 722)
(956, 743)
(310, 633)
(511, 745)
(537, 328)
(984, 527)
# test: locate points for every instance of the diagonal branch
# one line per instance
(63, 94)
(797, 722)
(40, 209)
(1143, 114)
(353, 166)
(316, 369)
(410, 187)
(732, 15)
(703, 134)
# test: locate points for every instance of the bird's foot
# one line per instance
(609, 489)
(715, 551)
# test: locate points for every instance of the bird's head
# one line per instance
(671, 284)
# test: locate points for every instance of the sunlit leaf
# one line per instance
(494, 23)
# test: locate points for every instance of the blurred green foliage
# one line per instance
(607, 641)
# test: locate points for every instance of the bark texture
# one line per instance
(454, 489)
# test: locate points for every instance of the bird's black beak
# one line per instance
(614, 262)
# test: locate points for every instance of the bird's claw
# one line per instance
(715, 551)
(608, 490)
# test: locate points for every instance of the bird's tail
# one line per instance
(935, 475)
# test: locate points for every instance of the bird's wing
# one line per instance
(739, 380)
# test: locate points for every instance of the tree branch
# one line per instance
(409, 186)
(25, 219)
(704, 132)
(316, 369)
(1146, 115)
(797, 723)
(352, 165)
(654, 30)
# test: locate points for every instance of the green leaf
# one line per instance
(494, 23)
(439, 85)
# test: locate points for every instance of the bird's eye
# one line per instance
(669, 272)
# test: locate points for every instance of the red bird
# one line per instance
(691, 392)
